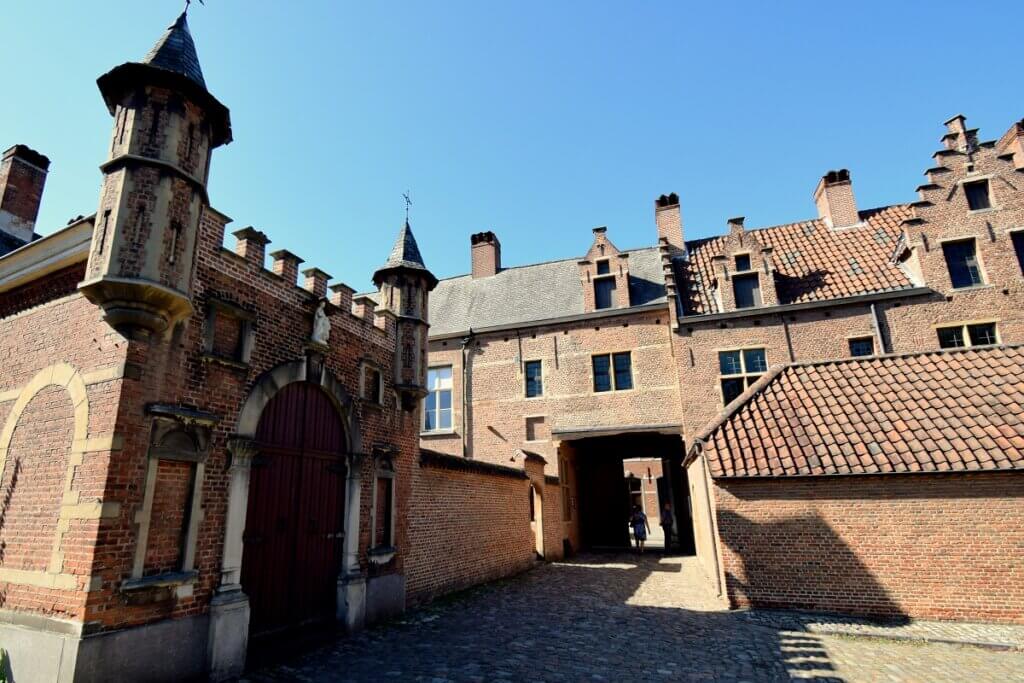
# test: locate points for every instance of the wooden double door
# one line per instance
(294, 533)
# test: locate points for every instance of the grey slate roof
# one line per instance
(9, 243)
(532, 293)
(176, 51)
(405, 254)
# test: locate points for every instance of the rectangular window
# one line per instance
(613, 372)
(962, 261)
(742, 262)
(604, 292)
(862, 346)
(978, 195)
(1018, 247)
(563, 479)
(603, 268)
(747, 289)
(739, 369)
(535, 428)
(534, 382)
(373, 384)
(975, 334)
(437, 406)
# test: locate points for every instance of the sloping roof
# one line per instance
(940, 411)
(176, 51)
(523, 294)
(813, 262)
(405, 254)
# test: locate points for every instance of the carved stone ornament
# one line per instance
(242, 450)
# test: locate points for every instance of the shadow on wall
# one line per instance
(5, 506)
(799, 563)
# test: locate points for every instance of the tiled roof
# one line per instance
(941, 411)
(812, 261)
(176, 51)
(542, 291)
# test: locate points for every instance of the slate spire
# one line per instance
(176, 51)
(405, 255)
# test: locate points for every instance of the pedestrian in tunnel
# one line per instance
(640, 527)
(666, 525)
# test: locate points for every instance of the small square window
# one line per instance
(603, 268)
(604, 292)
(534, 380)
(862, 346)
(747, 290)
(754, 360)
(732, 388)
(740, 369)
(962, 262)
(613, 372)
(978, 195)
(982, 334)
(743, 262)
(729, 363)
(951, 337)
(535, 428)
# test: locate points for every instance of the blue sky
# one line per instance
(538, 120)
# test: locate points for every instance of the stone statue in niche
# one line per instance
(321, 325)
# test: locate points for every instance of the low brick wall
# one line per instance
(469, 522)
(926, 546)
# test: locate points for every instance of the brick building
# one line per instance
(198, 451)
(625, 354)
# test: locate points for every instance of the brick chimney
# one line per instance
(669, 220)
(834, 197)
(22, 177)
(485, 251)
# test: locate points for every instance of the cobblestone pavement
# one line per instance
(623, 618)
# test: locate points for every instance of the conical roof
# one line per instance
(176, 51)
(404, 255)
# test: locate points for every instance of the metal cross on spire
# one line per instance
(189, 2)
(408, 203)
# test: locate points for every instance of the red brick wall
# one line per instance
(466, 527)
(926, 546)
(171, 497)
(55, 285)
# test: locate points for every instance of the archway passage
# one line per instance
(294, 525)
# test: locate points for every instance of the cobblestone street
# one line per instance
(621, 618)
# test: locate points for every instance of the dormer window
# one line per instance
(604, 292)
(603, 268)
(742, 262)
(747, 290)
(977, 193)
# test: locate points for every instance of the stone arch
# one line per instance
(274, 380)
(67, 377)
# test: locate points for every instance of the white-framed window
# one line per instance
(738, 369)
(967, 334)
(437, 406)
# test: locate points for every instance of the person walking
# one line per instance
(640, 527)
(666, 525)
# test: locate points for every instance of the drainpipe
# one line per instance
(878, 329)
(465, 374)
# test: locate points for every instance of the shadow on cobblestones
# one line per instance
(619, 618)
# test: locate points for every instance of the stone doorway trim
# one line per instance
(229, 609)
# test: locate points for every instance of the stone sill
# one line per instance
(381, 554)
(438, 432)
(226, 362)
(165, 580)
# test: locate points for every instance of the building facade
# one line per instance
(624, 354)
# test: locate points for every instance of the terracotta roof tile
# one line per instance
(812, 262)
(845, 417)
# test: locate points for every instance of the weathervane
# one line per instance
(408, 203)
(189, 2)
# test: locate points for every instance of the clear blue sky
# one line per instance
(538, 120)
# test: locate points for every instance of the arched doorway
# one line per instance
(294, 524)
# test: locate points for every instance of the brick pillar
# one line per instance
(316, 281)
(286, 264)
(251, 245)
